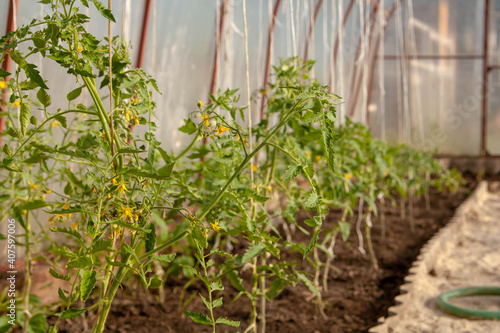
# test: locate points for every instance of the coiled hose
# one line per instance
(444, 305)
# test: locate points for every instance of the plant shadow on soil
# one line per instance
(357, 293)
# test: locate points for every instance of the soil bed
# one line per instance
(357, 293)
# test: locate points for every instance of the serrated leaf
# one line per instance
(275, 288)
(164, 257)
(3, 73)
(34, 75)
(235, 280)
(43, 97)
(100, 245)
(216, 285)
(198, 318)
(72, 313)
(253, 251)
(345, 230)
(87, 284)
(312, 243)
(228, 322)
(308, 283)
(82, 262)
(291, 172)
(216, 303)
(312, 200)
(24, 117)
(103, 10)
(62, 295)
(58, 275)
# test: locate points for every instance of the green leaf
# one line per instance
(100, 245)
(216, 285)
(291, 172)
(236, 281)
(62, 295)
(82, 262)
(189, 127)
(58, 275)
(345, 230)
(164, 257)
(72, 313)
(166, 170)
(216, 303)
(3, 73)
(53, 329)
(103, 10)
(253, 251)
(24, 117)
(312, 200)
(314, 222)
(150, 240)
(37, 324)
(15, 133)
(35, 204)
(74, 94)
(312, 243)
(5, 326)
(43, 97)
(199, 318)
(275, 288)
(62, 120)
(34, 75)
(87, 284)
(154, 282)
(228, 322)
(308, 283)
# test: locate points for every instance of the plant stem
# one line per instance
(27, 274)
(263, 299)
(369, 241)
(250, 156)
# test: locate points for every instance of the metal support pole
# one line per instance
(144, 33)
(13, 9)
(484, 107)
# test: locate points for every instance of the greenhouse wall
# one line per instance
(422, 85)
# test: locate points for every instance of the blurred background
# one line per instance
(422, 72)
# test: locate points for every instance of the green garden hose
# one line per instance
(443, 302)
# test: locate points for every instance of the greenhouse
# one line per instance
(249, 166)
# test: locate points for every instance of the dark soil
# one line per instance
(357, 294)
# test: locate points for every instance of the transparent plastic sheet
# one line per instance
(181, 59)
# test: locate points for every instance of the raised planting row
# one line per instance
(130, 209)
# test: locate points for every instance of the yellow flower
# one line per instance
(200, 104)
(122, 188)
(34, 186)
(348, 175)
(66, 206)
(80, 49)
(191, 217)
(114, 180)
(55, 124)
(263, 91)
(17, 103)
(238, 139)
(268, 188)
(134, 100)
(3, 85)
(74, 226)
(47, 191)
(221, 129)
(206, 120)
(127, 115)
(94, 189)
(215, 226)
(127, 213)
(254, 167)
(317, 158)
(136, 120)
(308, 154)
